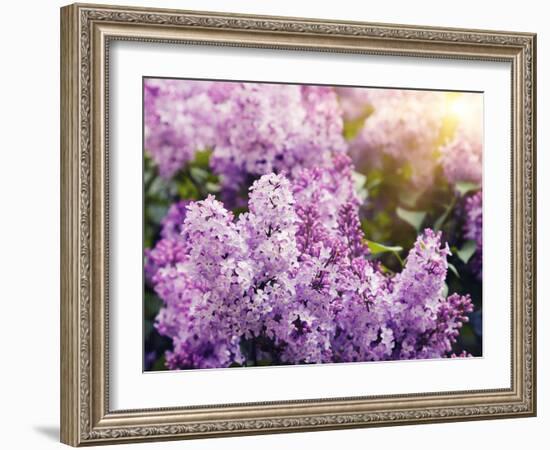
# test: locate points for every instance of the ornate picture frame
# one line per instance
(87, 31)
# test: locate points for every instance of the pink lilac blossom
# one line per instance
(407, 126)
(404, 125)
(473, 229)
(355, 101)
(461, 159)
(252, 128)
(299, 276)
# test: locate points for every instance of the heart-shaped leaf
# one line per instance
(413, 218)
(467, 251)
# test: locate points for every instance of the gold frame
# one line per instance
(86, 31)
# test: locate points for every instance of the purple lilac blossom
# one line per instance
(166, 253)
(294, 271)
(178, 120)
(326, 189)
(425, 323)
(252, 128)
(171, 223)
(473, 229)
(268, 128)
(169, 250)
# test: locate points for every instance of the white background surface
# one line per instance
(132, 389)
(29, 189)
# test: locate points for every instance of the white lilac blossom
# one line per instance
(252, 128)
(292, 280)
(473, 229)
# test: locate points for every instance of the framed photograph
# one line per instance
(276, 224)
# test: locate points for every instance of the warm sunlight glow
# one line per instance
(467, 111)
(459, 107)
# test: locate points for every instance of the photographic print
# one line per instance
(228, 222)
(303, 224)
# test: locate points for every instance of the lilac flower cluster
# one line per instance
(252, 128)
(178, 120)
(461, 159)
(408, 126)
(404, 125)
(169, 250)
(473, 229)
(429, 323)
(292, 280)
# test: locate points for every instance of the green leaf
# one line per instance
(263, 362)
(239, 210)
(187, 189)
(467, 251)
(413, 218)
(148, 327)
(376, 247)
(212, 187)
(156, 212)
(156, 186)
(359, 181)
(445, 290)
(198, 174)
(374, 178)
(152, 305)
(352, 127)
(160, 364)
(441, 219)
(463, 187)
(406, 171)
(202, 159)
(453, 269)
(467, 335)
(409, 197)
